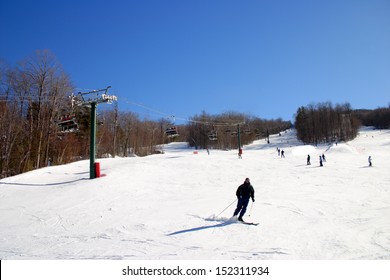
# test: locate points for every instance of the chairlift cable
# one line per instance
(160, 113)
(183, 119)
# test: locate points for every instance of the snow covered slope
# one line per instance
(172, 206)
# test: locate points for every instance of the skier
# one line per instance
(369, 161)
(243, 193)
(239, 153)
(323, 157)
(321, 161)
(308, 159)
(282, 155)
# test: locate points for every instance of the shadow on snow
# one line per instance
(42, 185)
(222, 224)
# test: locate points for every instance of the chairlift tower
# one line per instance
(239, 137)
(91, 99)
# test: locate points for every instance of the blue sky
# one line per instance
(176, 57)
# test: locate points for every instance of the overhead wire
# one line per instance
(210, 123)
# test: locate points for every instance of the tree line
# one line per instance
(325, 123)
(378, 118)
(230, 129)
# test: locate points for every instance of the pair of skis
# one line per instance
(235, 219)
(249, 224)
(244, 223)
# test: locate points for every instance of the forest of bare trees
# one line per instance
(378, 118)
(34, 98)
(31, 94)
(224, 131)
(324, 123)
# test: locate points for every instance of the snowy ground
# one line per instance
(169, 206)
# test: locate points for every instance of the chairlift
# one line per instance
(247, 129)
(171, 132)
(68, 124)
(232, 132)
(212, 135)
(100, 120)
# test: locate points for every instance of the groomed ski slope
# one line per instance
(167, 206)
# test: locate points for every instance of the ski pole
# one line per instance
(250, 211)
(227, 207)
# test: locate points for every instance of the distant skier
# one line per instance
(282, 154)
(321, 161)
(369, 161)
(239, 153)
(278, 151)
(323, 157)
(308, 160)
(244, 193)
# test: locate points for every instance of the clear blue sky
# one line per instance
(180, 57)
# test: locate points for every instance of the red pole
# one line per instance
(97, 169)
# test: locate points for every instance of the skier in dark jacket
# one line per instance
(244, 193)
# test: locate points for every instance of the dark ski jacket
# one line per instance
(245, 191)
